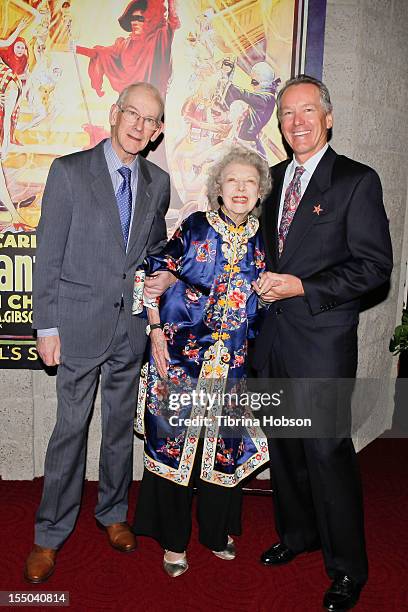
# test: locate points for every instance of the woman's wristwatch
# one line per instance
(152, 326)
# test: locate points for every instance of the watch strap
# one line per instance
(149, 327)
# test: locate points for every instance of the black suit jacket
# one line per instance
(340, 250)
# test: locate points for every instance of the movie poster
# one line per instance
(218, 63)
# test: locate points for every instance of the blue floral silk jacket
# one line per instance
(207, 317)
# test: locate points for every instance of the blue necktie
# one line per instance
(124, 200)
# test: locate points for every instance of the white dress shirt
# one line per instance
(310, 166)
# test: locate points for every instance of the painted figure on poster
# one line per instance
(221, 114)
(226, 69)
(42, 92)
(206, 117)
(207, 33)
(17, 223)
(201, 46)
(43, 21)
(260, 101)
(211, 130)
(61, 25)
(145, 55)
(205, 124)
(13, 64)
(201, 60)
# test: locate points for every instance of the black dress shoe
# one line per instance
(278, 554)
(342, 595)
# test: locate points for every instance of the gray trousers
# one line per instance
(64, 468)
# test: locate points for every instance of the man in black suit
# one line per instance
(327, 244)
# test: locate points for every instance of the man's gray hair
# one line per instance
(306, 79)
(241, 156)
(142, 85)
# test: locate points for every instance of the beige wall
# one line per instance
(366, 53)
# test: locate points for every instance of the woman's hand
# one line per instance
(159, 351)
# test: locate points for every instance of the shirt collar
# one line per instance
(113, 161)
(311, 164)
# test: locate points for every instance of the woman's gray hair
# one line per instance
(308, 80)
(241, 156)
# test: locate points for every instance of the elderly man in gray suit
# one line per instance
(102, 211)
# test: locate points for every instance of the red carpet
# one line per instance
(99, 578)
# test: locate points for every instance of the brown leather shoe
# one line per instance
(40, 564)
(120, 536)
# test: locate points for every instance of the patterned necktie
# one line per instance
(290, 204)
(124, 200)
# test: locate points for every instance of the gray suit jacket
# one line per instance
(82, 268)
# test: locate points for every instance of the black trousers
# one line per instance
(317, 493)
(164, 510)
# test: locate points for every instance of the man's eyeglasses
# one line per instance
(132, 116)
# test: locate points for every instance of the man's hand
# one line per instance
(272, 286)
(160, 351)
(156, 284)
(49, 349)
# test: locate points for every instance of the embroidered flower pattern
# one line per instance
(223, 313)
(159, 390)
(216, 359)
(259, 259)
(192, 349)
(239, 358)
(158, 393)
(138, 287)
(172, 446)
(177, 375)
(170, 330)
(237, 299)
(172, 264)
(204, 251)
(192, 295)
(236, 239)
(223, 455)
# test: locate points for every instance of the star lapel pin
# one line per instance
(317, 209)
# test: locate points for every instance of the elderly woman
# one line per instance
(198, 352)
